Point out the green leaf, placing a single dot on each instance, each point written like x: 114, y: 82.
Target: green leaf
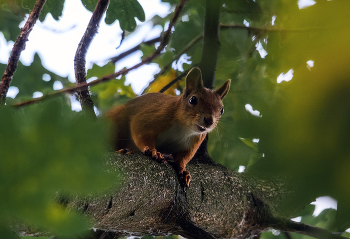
x: 147, y: 50
x: 7, y: 233
x: 157, y: 20
x: 89, y: 4
x: 112, y: 93
x: 164, y: 59
x: 9, y: 24
x: 99, y: 71
x: 186, y: 31
x: 29, y: 79
x: 107, y: 94
x: 125, y: 11
x: 53, y: 7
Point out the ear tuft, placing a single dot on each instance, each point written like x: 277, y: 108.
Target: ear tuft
x: 222, y: 91
x: 194, y: 80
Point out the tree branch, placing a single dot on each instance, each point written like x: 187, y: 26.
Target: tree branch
x: 106, y: 78
x: 135, y: 48
x: 145, y: 61
x: 195, y: 40
x: 222, y: 27
x: 301, y: 228
x: 80, y: 56
x: 18, y: 47
x: 219, y: 203
x: 167, y: 66
x: 183, y: 74
x: 211, y: 43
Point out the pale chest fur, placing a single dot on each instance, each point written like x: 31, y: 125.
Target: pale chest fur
x: 176, y: 139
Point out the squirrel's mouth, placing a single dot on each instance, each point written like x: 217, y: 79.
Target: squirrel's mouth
x: 201, y: 128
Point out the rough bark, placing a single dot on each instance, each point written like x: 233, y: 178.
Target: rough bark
x: 148, y: 200
x: 79, y: 60
x: 219, y: 203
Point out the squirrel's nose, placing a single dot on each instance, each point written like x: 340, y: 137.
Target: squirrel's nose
x: 208, y: 121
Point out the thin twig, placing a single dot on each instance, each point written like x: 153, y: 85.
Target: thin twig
x: 135, y: 48
x: 18, y: 47
x: 174, y: 81
x: 301, y: 228
x: 106, y: 78
x: 222, y: 27
x: 175, y: 58
x: 80, y: 56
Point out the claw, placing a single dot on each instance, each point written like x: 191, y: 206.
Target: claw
x: 124, y: 151
x: 185, y: 178
x: 157, y: 155
x: 147, y: 151
x: 169, y: 158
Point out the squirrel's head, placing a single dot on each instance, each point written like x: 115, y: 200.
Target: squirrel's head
x: 202, y: 107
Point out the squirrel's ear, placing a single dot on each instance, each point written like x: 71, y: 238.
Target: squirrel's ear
x: 193, y: 80
x: 222, y: 91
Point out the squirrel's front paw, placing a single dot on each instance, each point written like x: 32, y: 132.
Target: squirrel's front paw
x: 157, y: 155
x: 154, y: 154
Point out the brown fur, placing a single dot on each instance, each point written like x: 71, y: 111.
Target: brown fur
x: 170, y: 124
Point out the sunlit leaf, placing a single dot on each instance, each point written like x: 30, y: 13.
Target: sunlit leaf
x: 112, y: 93
x: 162, y: 81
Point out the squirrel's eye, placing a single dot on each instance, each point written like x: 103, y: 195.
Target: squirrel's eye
x: 221, y: 111
x: 193, y: 100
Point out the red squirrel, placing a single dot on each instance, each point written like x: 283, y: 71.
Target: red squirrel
x: 176, y: 125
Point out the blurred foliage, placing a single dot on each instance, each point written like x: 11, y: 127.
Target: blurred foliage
x: 21, y: 7
x: 9, y: 21
x: 28, y: 237
x: 304, y: 131
x: 30, y: 79
x: 46, y: 149
x: 325, y: 219
x: 303, y: 128
x: 110, y: 93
